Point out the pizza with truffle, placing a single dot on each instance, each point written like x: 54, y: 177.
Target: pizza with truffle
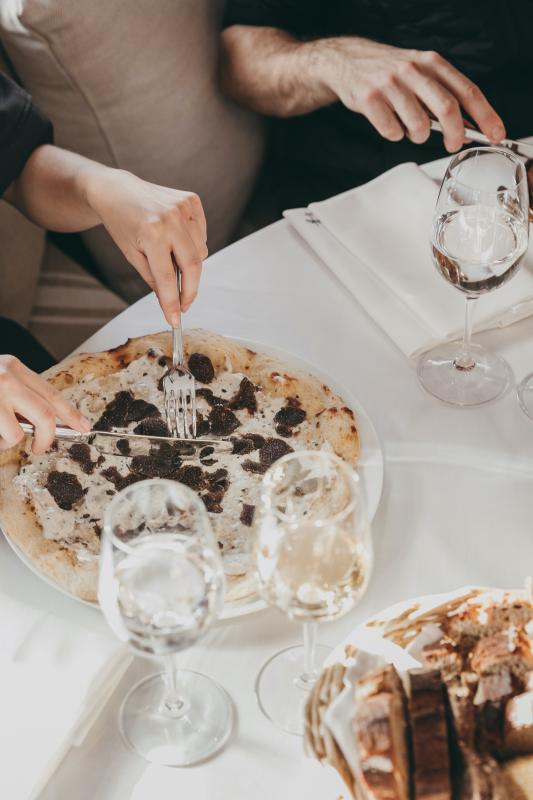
x: 51, y: 505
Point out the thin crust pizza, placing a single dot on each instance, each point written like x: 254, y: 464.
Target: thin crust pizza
x: 51, y: 505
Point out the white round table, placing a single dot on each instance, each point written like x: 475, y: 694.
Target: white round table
x: 457, y: 509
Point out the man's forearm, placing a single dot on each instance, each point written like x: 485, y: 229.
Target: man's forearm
x: 52, y: 190
x: 269, y: 71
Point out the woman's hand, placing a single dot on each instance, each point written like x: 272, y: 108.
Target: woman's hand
x: 155, y: 228
x: 25, y: 393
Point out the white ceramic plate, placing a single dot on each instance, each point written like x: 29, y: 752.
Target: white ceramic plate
x: 370, y: 468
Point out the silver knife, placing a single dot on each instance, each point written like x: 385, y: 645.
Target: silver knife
x: 136, y: 444
x: 519, y: 148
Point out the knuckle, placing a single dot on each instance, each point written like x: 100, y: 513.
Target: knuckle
x: 420, y: 128
x: 432, y: 57
x: 173, y: 214
x: 194, y: 199
x: 47, y: 416
x: 473, y: 92
x: 9, y: 362
x: 389, y: 81
x: 6, y: 379
x: 167, y: 280
x: 408, y: 68
x: 448, y: 106
x: 371, y: 95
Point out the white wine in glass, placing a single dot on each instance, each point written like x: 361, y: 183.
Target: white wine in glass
x: 161, y: 586
x: 313, y: 556
x: 479, y: 237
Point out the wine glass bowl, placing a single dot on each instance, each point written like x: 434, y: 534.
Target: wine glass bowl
x: 313, y: 557
x: 312, y: 537
x: 479, y: 237
x: 160, y: 588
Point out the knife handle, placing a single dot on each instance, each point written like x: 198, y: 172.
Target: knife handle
x: 62, y: 432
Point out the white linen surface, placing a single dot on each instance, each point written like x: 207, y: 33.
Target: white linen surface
x: 55, y: 678
x: 375, y: 239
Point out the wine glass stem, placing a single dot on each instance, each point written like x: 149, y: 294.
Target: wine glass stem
x: 173, y: 704
x: 310, y: 631
x: 465, y: 360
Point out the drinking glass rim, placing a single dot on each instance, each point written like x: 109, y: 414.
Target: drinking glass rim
x: 350, y: 473
x: 107, y: 527
x: 463, y: 154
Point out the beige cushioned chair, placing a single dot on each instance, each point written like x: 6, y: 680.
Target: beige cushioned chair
x: 133, y: 85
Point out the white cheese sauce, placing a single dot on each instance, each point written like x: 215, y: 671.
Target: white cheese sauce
x: 79, y: 527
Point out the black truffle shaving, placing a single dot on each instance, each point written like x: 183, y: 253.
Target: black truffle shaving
x: 119, y: 481
x: 254, y: 466
x: 201, y: 367
x: 65, y: 488
x: 222, y: 421
x: 81, y: 454
x: 245, y: 397
x: 290, y: 416
x: 152, y: 426
x: 122, y: 410
x: 247, y: 514
x: 272, y: 450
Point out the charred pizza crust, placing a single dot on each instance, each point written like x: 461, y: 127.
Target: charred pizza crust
x: 331, y: 421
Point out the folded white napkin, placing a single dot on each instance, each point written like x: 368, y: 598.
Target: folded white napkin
x: 55, y: 678
x: 375, y: 239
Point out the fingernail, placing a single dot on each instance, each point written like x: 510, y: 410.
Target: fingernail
x: 85, y: 424
x: 175, y: 320
x: 498, y: 133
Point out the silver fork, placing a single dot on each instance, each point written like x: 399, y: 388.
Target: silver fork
x: 179, y: 390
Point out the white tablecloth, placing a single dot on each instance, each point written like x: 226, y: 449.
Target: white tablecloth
x: 457, y: 508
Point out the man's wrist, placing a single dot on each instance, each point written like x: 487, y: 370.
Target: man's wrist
x: 325, y: 64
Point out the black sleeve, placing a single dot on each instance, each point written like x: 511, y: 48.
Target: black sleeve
x: 291, y: 15
x: 22, y: 129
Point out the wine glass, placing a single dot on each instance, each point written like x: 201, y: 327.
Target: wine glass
x: 313, y: 557
x: 480, y: 234
x: 161, y: 585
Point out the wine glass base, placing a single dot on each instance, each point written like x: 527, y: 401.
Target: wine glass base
x: 525, y: 395
x: 281, y: 692
x: 197, y: 733
x: 486, y: 381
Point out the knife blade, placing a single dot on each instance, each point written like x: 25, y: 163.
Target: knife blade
x: 126, y: 444
x: 519, y: 148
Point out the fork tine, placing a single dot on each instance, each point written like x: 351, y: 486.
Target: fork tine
x: 183, y: 415
x: 189, y: 413
x: 171, y: 412
x: 179, y: 415
x: 193, y: 408
x: 185, y: 394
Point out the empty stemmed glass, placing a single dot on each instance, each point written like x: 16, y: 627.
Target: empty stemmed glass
x: 480, y: 234
x: 161, y: 586
x: 313, y: 556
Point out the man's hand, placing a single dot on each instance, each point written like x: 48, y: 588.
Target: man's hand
x: 24, y: 393
x: 155, y: 228
x: 397, y: 90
